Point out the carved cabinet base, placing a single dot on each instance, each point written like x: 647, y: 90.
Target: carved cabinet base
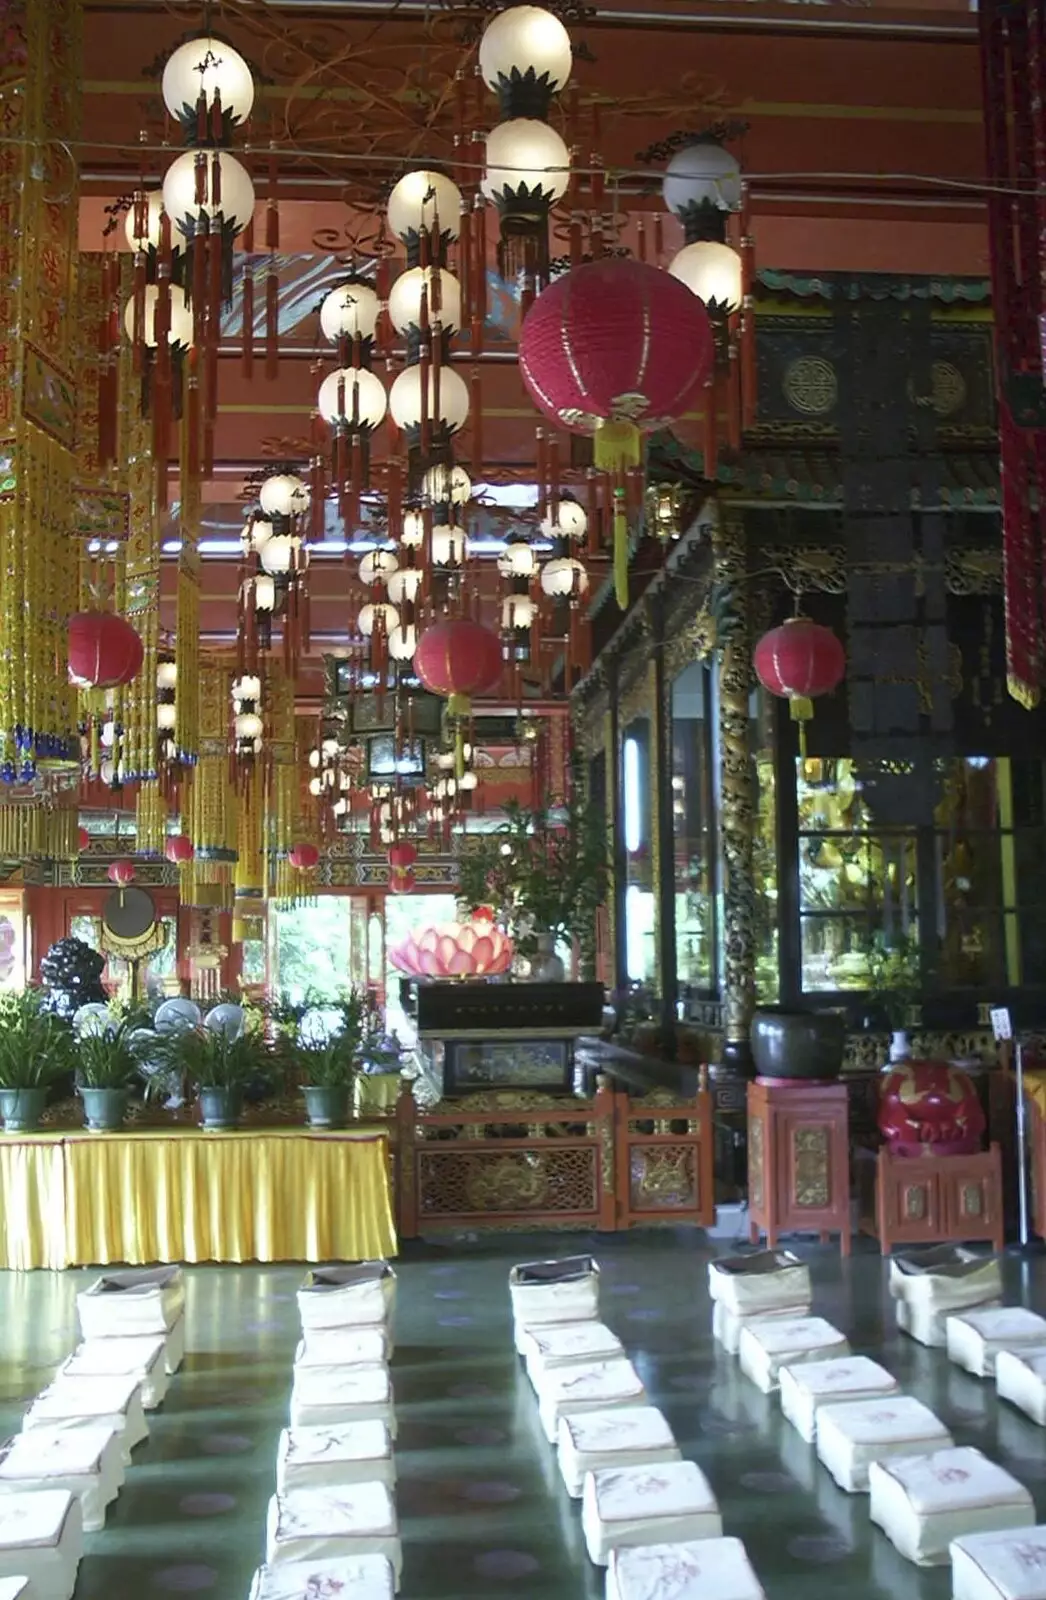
x: 798, y: 1161
x: 932, y: 1199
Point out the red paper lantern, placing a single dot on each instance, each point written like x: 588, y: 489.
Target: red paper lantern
x: 104, y: 650
x: 401, y: 880
x: 120, y: 872
x: 304, y: 856
x: 458, y: 659
x: 800, y: 661
x: 930, y: 1108
x: 179, y: 849
x: 83, y: 838
x: 402, y: 855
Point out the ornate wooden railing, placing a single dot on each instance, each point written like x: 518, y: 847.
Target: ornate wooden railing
x: 521, y: 1159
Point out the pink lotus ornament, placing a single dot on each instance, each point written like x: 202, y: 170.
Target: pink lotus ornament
x: 454, y: 950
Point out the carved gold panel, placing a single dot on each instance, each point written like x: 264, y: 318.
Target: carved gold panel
x: 810, y: 1167
x: 756, y: 1161
x: 915, y: 1202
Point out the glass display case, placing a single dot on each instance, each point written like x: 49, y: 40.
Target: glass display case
x: 695, y: 839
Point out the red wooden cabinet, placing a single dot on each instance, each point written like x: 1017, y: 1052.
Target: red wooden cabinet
x: 798, y: 1161
x: 929, y: 1199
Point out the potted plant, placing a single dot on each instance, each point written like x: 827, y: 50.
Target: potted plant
x: 36, y: 1049
x: 107, y: 1069
x: 219, y: 1068
x: 894, y: 988
x: 329, y: 1062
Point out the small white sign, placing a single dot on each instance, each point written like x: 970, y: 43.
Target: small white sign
x: 1002, y: 1027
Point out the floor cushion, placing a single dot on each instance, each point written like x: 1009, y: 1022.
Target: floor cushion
x: 924, y: 1502
x: 976, y: 1337
x: 146, y: 1300
x: 41, y: 1538
x: 1009, y: 1564
x: 331, y: 1396
x: 360, y: 1294
x: 1020, y: 1378
x: 853, y: 1435
x: 139, y: 1356
x: 116, y: 1400
x: 626, y: 1436
x: 566, y: 1344
x: 775, y: 1342
x: 929, y: 1285
x: 312, y: 1525
x: 342, y: 1347
x: 805, y: 1389
x: 704, y: 1569
x: 662, y: 1504
x: 354, y: 1578
x: 86, y: 1459
x: 762, y: 1282
x: 727, y: 1325
x: 543, y: 1292
x: 587, y: 1386
x: 15, y: 1589
x: 925, y: 1325
x: 352, y: 1452
x: 174, y: 1346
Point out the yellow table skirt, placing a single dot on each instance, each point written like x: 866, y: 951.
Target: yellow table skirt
x: 268, y: 1194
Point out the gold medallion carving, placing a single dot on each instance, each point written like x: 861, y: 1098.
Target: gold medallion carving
x: 810, y: 386
x: 915, y: 1203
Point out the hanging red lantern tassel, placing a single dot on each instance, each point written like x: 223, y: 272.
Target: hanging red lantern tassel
x: 798, y: 662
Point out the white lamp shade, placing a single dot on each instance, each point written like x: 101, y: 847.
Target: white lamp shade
x: 329, y: 749
x: 524, y: 39
x: 277, y: 554
x: 525, y: 152
x: 712, y: 271
x: 405, y: 300
x: 212, y: 67
x: 405, y: 398
x: 285, y: 495
x: 403, y: 641
x: 445, y: 485
x: 378, y: 614
x: 180, y: 331
x: 315, y: 786
x: 413, y: 535
x: 448, y: 546
x: 422, y: 198
x: 352, y: 396
x: 702, y: 172
x: 350, y: 312
x: 246, y: 688
x: 248, y: 725
x: 264, y: 593
x: 563, y: 576
x: 517, y: 611
x: 378, y: 566
x: 517, y: 560
x: 468, y: 780
x: 404, y: 585
x: 236, y: 206
x: 166, y: 716
x: 150, y: 239
x: 571, y: 522
x: 314, y: 759
x: 259, y: 531
x: 166, y: 675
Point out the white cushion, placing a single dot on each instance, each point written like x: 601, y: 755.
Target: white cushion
x: 14, y: 1589
x: 627, y: 1436
x: 775, y: 1342
x: 763, y: 1282
x: 587, y: 1386
x: 976, y: 1337
x: 140, y: 1356
x: 945, y: 1278
x: 805, y: 1389
x: 354, y: 1578
x: 727, y: 1325
x: 705, y: 1569
x: 117, y: 1401
x: 342, y: 1347
x: 150, y: 1300
x: 84, y: 1458
x: 354, y: 1452
x: 853, y: 1435
x: 1020, y: 1378
x: 662, y: 1504
x: 361, y: 1293
x: 542, y: 1292
x: 1008, y: 1564
x: 927, y: 1326
x: 312, y: 1525
x: 174, y: 1347
x: 565, y: 1344
x: 924, y: 1502
x: 330, y: 1396
x: 41, y: 1538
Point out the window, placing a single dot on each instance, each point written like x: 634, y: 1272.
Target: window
x: 640, y: 936
x: 694, y: 833
x: 310, y: 944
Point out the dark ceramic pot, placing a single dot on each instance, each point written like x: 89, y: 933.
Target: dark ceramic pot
x: 22, y: 1109
x: 798, y: 1044
x: 327, y: 1106
x: 221, y: 1108
x: 104, y: 1109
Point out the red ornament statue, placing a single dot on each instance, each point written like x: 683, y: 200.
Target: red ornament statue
x: 104, y: 650
x: 616, y: 349
x: 798, y: 662
x: 83, y: 838
x: 930, y: 1108
x: 179, y: 849
x: 120, y: 872
x: 304, y: 856
x: 402, y: 855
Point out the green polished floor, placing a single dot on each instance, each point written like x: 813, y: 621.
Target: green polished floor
x: 481, y: 1505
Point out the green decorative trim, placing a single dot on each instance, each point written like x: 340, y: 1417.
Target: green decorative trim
x: 876, y: 286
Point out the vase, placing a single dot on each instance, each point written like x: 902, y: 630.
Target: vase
x: 220, y: 1108
x: 547, y: 966
x: 327, y: 1105
x: 900, y: 1046
x: 104, y: 1109
x: 798, y: 1044
x: 22, y: 1109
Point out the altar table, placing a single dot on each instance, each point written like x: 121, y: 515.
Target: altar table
x: 262, y: 1194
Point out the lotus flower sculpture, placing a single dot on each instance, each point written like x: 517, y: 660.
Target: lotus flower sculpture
x: 454, y: 950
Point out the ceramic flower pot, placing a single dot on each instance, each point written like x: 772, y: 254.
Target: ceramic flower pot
x: 220, y: 1108
x: 327, y: 1106
x: 22, y: 1109
x: 798, y: 1044
x: 104, y: 1109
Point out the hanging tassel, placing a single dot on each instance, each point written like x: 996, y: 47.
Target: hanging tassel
x: 711, y: 432
x: 272, y: 313
x: 593, y: 514
x: 248, y: 320
x: 476, y: 408
x: 733, y: 400
x: 620, y: 549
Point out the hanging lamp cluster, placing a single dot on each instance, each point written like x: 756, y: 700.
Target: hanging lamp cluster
x: 274, y: 568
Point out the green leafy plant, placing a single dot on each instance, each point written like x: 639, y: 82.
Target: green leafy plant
x: 36, y: 1045
x: 894, y: 977
x: 210, y: 1059
x: 108, y: 1060
x: 332, y: 1061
